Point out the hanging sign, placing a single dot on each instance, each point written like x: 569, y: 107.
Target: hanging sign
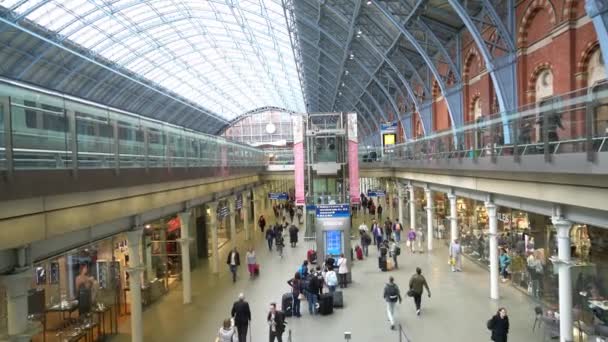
x: 333, y: 210
x: 278, y: 196
x: 376, y: 193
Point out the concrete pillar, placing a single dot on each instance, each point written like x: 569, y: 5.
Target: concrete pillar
x: 17, y: 286
x: 491, y: 208
x: 429, y: 218
x: 453, y: 217
x: 412, y: 206
x: 135, y: 271
x: 213, y: 225
x: 232, y: 219
x: 564, y: 278
x: 245, y: 213
x: 400, y: 195
x: 185, y: 241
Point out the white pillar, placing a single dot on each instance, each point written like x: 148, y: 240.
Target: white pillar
x: 453, y: 217
x: 232, y: 219
x: 17, y: 286
x: 245, y: 213
x: 412, y: 206
x: 491, y: 208
x: 400, y: 204
x: 564, y: 277
x: 429, y: 218
x: 135, y: 270
x: 185, y: 240
x: 213, y: 225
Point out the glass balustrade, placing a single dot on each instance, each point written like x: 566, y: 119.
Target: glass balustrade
x: 52, y: 131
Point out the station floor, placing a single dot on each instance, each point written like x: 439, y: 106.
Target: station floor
x: 457, y: 311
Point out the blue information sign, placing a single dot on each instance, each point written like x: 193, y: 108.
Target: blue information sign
x: 333, y: 210
x: 311, y: 207
x: 333, y: 242
x: 278, y: 196
x: 376, y: 193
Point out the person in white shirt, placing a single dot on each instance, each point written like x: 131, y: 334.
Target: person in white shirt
x: 331, y: 280
x: 342, y: 270
x: 233, y: 261
x: 456, y: 256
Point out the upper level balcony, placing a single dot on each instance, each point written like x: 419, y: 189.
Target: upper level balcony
x: 563, y: 134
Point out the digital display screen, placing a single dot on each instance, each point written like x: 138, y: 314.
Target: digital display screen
x: 333, y: 242
x: 389, y: 139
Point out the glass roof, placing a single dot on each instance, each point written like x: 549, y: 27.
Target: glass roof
x: 228, y: 56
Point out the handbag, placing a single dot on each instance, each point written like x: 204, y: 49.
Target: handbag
x: 408, y: 243
x: 410, y: 293
x: 301, y: 296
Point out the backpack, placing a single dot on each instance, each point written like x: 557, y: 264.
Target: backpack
x: 392, y: 293
x: 398, y: 227
x: 490, y: 323
x: 397, y: 250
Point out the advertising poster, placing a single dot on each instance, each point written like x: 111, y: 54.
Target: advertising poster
x: 298, y: 153
x: 353, y: 159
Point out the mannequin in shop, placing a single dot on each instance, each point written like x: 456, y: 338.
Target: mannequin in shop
x: 86, y: 288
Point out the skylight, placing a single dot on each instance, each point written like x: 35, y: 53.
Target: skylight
x: 228, y: 56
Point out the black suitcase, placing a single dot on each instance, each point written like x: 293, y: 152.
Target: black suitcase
x: 382, y: 264
x: 287, y: 304
x: 326, y: 304
x: 338, y: 299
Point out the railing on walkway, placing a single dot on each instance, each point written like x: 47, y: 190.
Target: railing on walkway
x: 575, y: 122
x: 45, y: 130
x: 402, y: 335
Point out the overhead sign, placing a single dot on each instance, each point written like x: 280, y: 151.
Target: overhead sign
x: 223, y: 212
x: 389, y: 127
x: 376, y: 193
x: 310, y: 207
x: 239, y: 202
x: 333, y: 210
x: 278, y: 196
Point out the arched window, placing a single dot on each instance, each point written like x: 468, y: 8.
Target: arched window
x: 476, y: 109
x: 596, y: 71
x: 544, y: 84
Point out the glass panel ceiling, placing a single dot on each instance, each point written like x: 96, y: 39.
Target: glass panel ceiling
x: 228, y: 56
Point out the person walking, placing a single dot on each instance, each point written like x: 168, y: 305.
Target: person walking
x: 293, y: 235
x: 388, y: 229
x: 379, y: 210
x: 377, y: 232
x: 270, y: 237
x: 227, y: 333
x: 499, y: 325
x: 279, y: 241
x: 342, y: 271
x: 395, y: 251
x: 391, y: 295
x: 504, y: 262
x: 366, y: 240
x: 234, y: 261
x: 300, y: 213
x: 331, y: 279
x: 303, y: 270
x: 296, y: 289
x: 262, y: 223
x: 312, y: 292
x: 456, y: 256
x: 276, y: 323
x: 397, y: 228
x: 411, y: 240
x: 251, y: 262
x: 417, y: 285
x: 242, y: 316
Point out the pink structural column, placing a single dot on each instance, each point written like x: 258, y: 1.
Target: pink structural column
x: 298, y: 154
x: 353, y: 158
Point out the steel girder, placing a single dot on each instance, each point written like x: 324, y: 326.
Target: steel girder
x: 333, y: 40
x: 597, y: 10
x: 292, y: 29
x: 351, y: 31
x: 502, y: 69
x: 452, y: 96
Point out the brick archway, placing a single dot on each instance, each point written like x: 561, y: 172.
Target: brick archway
x: 468, y: 62
x: 531, y: 10
x: 531, y: 91
x: 583, y: 63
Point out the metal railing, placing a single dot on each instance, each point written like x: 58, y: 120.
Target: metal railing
x: 574, y: 122
x: 402, y: 335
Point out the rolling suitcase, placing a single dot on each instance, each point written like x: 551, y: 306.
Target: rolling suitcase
x: 338, y: 299
x: 256, y: 270
x: 359, y: 252
x: 382, y: 264
x: 287, y: 304
x: 311, y: 256
x: 326, y: 304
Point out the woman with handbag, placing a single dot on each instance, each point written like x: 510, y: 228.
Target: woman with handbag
x: 296, y: 291
x: 227, y: 332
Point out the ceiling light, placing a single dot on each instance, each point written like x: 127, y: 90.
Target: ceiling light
x: 342, y: 84
x: 340, y: 93
x: 369, y: 2
x: 352, y: 56
x: 345, y: 72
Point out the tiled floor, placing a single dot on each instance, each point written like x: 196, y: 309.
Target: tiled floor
x: 457, y: 311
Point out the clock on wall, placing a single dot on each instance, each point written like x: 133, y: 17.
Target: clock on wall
x: 271, y: 128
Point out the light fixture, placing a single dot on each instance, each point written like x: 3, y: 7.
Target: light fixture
x: 352, y: 56
x: 342, y: 84
x: 148, y: 226
x: 369, y: 2
x: 339, y: 93
x: 345, y: 72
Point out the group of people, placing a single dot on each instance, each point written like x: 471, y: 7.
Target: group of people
x: 288, y: 208
x: 234, y: 261
x: 276, y: 234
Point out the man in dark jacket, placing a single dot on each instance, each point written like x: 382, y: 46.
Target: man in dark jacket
x: 499, y: 324
x: 233, y: 261
x: 276, y: 323
x: 293, y: 235
x: 242, y: 316
x: 417, y: 285
x: 391, y: 296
